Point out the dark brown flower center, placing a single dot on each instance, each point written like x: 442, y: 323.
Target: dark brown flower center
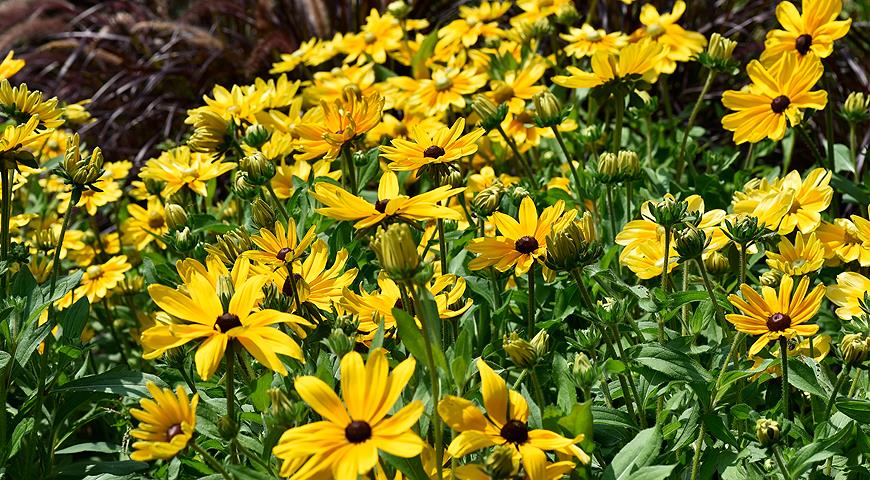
x: 287, y: 288
x: 433, y: 152
x: 358, y: 432
x: 381, y: 205
x: 226, y: 322
x: 515, y: 431
x: 526, y: 244
x: 778, y: 322
x: 173, y: 431
x: 803, y: 43
x: 155, y: 221
x: 282, y: 254
x: 779, y: 104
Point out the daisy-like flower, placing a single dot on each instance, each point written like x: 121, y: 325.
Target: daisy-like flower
x: 10, y: 66
x: 443, y: 146
x: 312, y: 53
x: 847, y: 294
x: 179, y: 168
x: 773, y: 98
x: 341, y: 122
x: 315, y: 283
x: 847, y: 239
x: 587, y: 40
x: 282, y: 182
x: 635, y: 60
x: 99, y: 279
x: 448, y: 87
x: 379, y: 35
x: 814, y: 30
x: 788, y: 203
x: 680, y: 45
x: 345, y: 444
x: 773, y: 315
x: 520, y: 243
x: 539, y: 9
x: 328, y: 86
x: 342, y: 205
x: 21, y: 104
x: 473, y: 23
x: 14, y: 137
x: 504, y: 423
x: 282, y: 246
x: 145, y: 225
x: 166, y: 423
x: 202, y: 315
x: 804, y: 256
x: 518, y: 86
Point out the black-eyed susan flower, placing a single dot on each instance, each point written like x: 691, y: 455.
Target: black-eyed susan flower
x: 20, y: 104
x: 282, y: 182
x: 167, y: 422
x: 98, y: 280
x: 637, y: 60
x: 145, y: 225
x: 201, y: 314
x: 814, y: 30
x: 315, y: 283
x: 345, y: 444
x: 447, y: 88
x: 442, y: 146
x: 587, y: 40
x: 518, y: 86
x: 504, y: 423
x: 378, y: 36
x: 10, y: 65
x: 846, y: 239
x: 679, y: 44
x: 789, y: 203
x: 847, y: 294
x: 311, y: 52
x: 473, y: 22
x: 773, y: 315
x: 390, y: 204
x: 179, y: 167
x: 282, y: 246
x: 324, y: 134
x: 804, y: 256
x: 774, y: 100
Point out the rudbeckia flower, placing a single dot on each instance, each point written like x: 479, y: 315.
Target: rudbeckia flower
x: 679, y: 44
x: 345, y: 444
x: 518, y: 86
x: 282, y: 182
x: 847, y: 293
x: 280, y: 247
x: 166, y: 423
x: 814, y: 30
x: 804, y: 256
x: 847, y: 239
x: 312, y: 52
x: 145, y: 224
x: 14, y: 137
x: 204, y: 316
x: 445, y: 145
x: 98, y: 280
x: 635, y: 60
x: 448, y: 87
x: 788, y: 203
x: 179, y: 168
x: 10, y: 66
x: 587, y: 40
x: 21, y: 103
x: 773, y: 315
x: 504, y: 423
x: 315, y: 283
x: 341, y: 122
x: 772, y: 98
x: 379, y: 35
x: 342, y: 205
x: 473, y: 23
x: 520, y: 243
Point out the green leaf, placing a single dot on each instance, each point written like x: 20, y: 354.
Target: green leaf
x: 817, y: 451
x: 73, y: 321
x: 411, y: 467
x: 858, y: 410
x: 260, y: 393
x: 18, y: 434
x: 673, y: 364
x: 410, y: 334
x: 4, y: 359
x: 96, y: 467
x: 612, y: 424
x: 98, y: 447
x: 637, y: 454
x: 418, y: 61
x: 579, y: 422
x: 801, y: 376
x: 119, y: 381
x: 652, y: 472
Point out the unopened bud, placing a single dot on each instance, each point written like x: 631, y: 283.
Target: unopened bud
x: 243, y: 188
x: 262, y: 214
x: 520, y: 351
x: 548, y: 109
x: 184, y: 240
x: 854, y: 348
x: 767, y: 431
x: 690, y: 243
x: 501, y: 464
x: 491, y: 115
x: 716, y: 263
x: 256, y: 135
x: 541, y: 343
x: 397, y: 252
x: 720, y: 49
x: 339, y: 342
x: 258, y: 168
x: 487, y: 200
x: 628, y: 164
x: 771, y: 278
x: 399, y: 9
x: 585, y: 374
x: 856, y: 108
x: 176, y: 217
x: 574, y: 246
x: 608, y: 167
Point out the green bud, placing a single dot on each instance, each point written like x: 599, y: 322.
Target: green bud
x: 176, y: 217
x: 720, y: 48
x: 574, y: 246
x: 608, y: 167
x: 183, y: 240
x: 229, y: 246
x: 716, y: 263
x: 399, y: 9
x: 521, y: 352
x: 488, y: 199
x: 258, y: 168
x: 854, y: 348
x: 690, y: 243
x: 746, y: 231
x: 339, y: 342
x: 491, y: 115
x: 397, y: 252
x: 262, y: 214
x: 856, y: 108
x: 628, y: 164
x: 767, y: 431
x: 548, y: 109
x: 541, y: 343
x: 256, y: 135
x: 771, y: 278
x: 500, y: 464
x: 243, y: 188
x: 228, y: 427
x: 281, y: 407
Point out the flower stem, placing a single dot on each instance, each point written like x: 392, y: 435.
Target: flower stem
x: 6, y: 214
x: 709, y: 286
x: 536, y: 385
x: 853, y: 152
x: 351, y: 170
x: 641, y: 415
x: 749, y: 159
x: 783, y: 352
x: 231, y: 391
x: 665, y: 265
x: 574, y: 173
x: 681, y: 159
x: 619, y: 106
x: 531, y: 317
x: 841, y: 379
x: 67, y: 218
x: 696, y: 458
x: 520, y: 157
x: 277, y: 201
x: 442, y: 246
x: 742, y: 249
x: 611, y: 212
x: 435, y: 382
x: 210, y: 460
x: 629, y: 194
x: 780, y: 463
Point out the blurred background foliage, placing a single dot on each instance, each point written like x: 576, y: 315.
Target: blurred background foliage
x: 144, y: 63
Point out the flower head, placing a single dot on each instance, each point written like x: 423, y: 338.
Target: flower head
x: 635, y: 61
x: 814, y: 30
x: 803, y: 256
x: 166, y: 423
x: 848, y: 294
x: 442, y: 146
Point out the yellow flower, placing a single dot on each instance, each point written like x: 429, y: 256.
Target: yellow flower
x: 86, y: 247
x: 340, y: 123
x: 392, y: 128
x: 22, y: 104
x: 518, y: 86
x: 773, y: 315
x: 821, y: 347
x: 804, y: 200
x: 473, y: 23
x: 636, y: 59
x: 14, y: 137
x: 504, y: 423
x: 379, y: 35
x: 145, y: 225
x: 848, y: 240
x: 342, y: 205
x: 166, y: 423
x: 539, y: 9
x: 814, y: 30
x: 281, y: 247
x: 587, y: 40
x: 680, y: 45
x: 485, y: 178
x: 448, y: 87
x: 773, y: 97
x: 327, y: 86
x: 203, y: 316
x: 10, y: 66
x: 445, y: 145
x: 180, y: 168
x: 312, y: 53
x: 91, y: 200
x: 849, y: 290
x: 520, y: 243
x: 282, y: 182
x: 315, y: 283
x: 97, y: 281
x: 806, y: 255
x: 346, y: 443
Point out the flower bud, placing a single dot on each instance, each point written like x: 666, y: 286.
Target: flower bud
x: 501, y: 464
x: 209, y: 131
x: 281, y: 406
x: 397, y: 252
x: 184, y: 240
x: 856, y: 108
x: 716, y: 263
x: 230, y: 246
x: 487, y: 200
x: 243, y: 188
x: 541, y: 343
x: 452, y: 177
x: 256, y: 135
x: 225, y: 290
x: 491, y: 115
x: 176, y: 217
x: 608, y: 167
x: 548, y: 109
x: 339, y: 343
x: 854, y: 348
x: 767, y: 431
x: 228, y: 427
x: 521, y: 352
x: 262, y: 214
x: 771, y: 278
x: 259, y: 168
x: 519, y: 193
x: 669, y: 212
x: 585, y: 374
x: 720, y: 49
x: 690, y: 243
x: 574, y: 246
x: 399, y: 9
x: 628, y: 164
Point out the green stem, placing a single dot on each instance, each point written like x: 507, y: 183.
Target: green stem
x: 619, y: 106
x: 780, y: 463
x: 742, y: 269
x: 681, y: 159
x: 574, y: 173
x: 854, y: 387
x: 749, y: 159
x: 641, y: 415
x: 829, y: 134
x: 611, y: 212
x: 6, y: 213
x: 666, y: 97
x: 231, y: 390
x: 811, y: 144
x: 684, y: 312
x: 783, y: 352
x: 841, y: 379
x: 442, y: 245
x: 709, y: 286
x: 435, y: 385
x: 623, y: 383
x: 853, y: 151
x: 665, y: 265
x: 629, y: 196
x: 696, y: 458
x: 67, y: 218
x: 647, y: 132
x: 536, y: 385
x: 520, y: 157
x: 349, y: 166
x: 210, y: 460
x: 277, y: 201
x: 531, y: 316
